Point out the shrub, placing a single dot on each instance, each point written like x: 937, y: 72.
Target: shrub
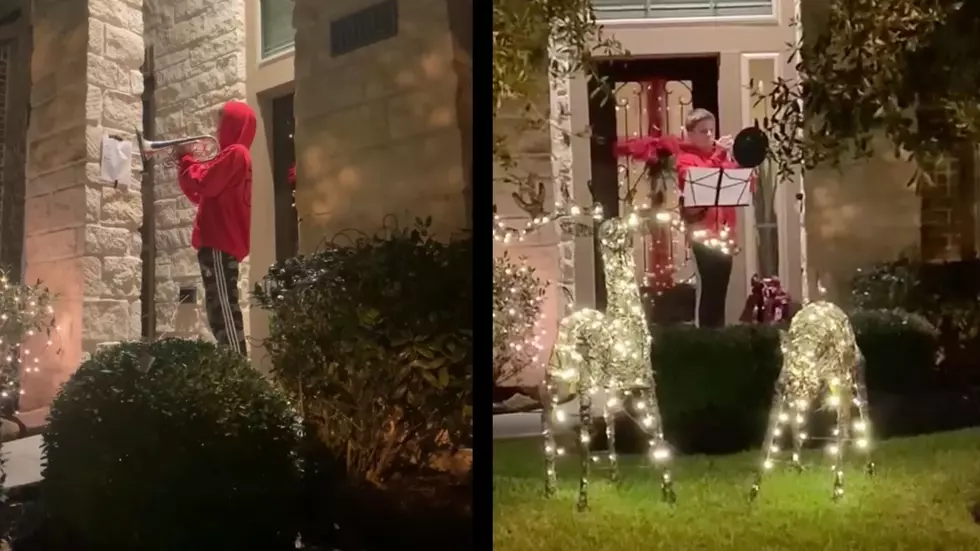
x: 517, y: 296
x: 901, y: 350
x: 945, y: 294
x: 172, y: 445
x: 374, y: 341
x: 715, y: 385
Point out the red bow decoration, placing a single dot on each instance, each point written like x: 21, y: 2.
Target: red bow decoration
x: 292, y: 176
x: 648, y: 149
x: 767, y: 303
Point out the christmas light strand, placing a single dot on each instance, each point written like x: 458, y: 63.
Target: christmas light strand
x: 26, y: 315
x: 639, y: 220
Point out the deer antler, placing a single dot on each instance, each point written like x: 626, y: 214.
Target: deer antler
x: 530, y: 198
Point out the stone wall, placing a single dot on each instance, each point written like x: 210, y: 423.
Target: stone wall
x: 199, y: 63
x: 82, y: 236
x: 859, y: 215
x: 378, y: 128
x: 531, y: 148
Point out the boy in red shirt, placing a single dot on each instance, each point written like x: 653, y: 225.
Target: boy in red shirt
x: 222, y: 191
x: 713, y: 264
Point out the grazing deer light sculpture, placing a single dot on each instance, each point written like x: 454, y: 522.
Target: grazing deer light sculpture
x: 606, y: 355
x: 819, y: 353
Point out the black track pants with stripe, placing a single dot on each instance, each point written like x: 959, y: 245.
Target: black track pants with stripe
x: 219, y: 270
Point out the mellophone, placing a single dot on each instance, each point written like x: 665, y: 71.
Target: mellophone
x: 151, y: 149
x: 728, y: 187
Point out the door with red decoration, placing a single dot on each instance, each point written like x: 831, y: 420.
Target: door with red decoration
x: 652, y: 97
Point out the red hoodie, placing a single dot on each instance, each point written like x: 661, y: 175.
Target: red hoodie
x: 222, y: 188
x: 714, y: 219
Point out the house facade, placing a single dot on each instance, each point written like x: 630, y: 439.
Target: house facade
x: 718, y: 55
x: 680, y: 57
x: 368, y: 99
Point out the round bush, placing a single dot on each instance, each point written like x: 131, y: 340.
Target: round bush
x: 175, y: 445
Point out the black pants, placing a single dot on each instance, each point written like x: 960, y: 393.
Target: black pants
x: 714, y: 269
x: 219, y: 270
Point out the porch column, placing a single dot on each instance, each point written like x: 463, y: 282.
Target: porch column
x: 82, y: 234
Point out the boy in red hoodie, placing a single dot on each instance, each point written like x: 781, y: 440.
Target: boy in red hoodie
x: 222, y: 191
x: 714, y: 266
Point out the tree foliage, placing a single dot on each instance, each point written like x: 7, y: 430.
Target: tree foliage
x: 904, y: 69
x: 521, y: 32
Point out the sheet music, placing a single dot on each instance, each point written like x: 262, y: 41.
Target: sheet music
x: 117, y: 160
x: 703, y: 188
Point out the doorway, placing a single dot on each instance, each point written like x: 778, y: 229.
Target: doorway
x: 15, y: 106
x: 652, y: 97
x: 283, y: 162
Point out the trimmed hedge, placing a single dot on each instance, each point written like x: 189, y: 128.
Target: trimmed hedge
x: 715, y: 386
x: 946, y: 294
x: 177, y: 444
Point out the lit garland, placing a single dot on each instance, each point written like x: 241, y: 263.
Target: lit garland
x: 517, y: 317
x: 26, y: 313
x: 642, y: 216
x: 608, y: 353
x: 819, y: 352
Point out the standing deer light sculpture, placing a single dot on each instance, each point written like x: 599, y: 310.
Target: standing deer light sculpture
x: 606, y: 355
x: 819, y: 352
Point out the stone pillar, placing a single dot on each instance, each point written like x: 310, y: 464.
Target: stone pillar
x: 199, y: 64
x: 378, y: 127
x: 82, y: 237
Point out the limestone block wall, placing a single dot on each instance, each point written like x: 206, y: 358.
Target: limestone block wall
x: 857, y: 216
x: 378, y: 128
x: 82, y: 236
x: 199, y: 63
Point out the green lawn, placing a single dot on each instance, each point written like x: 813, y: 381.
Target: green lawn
x: 920, y: 500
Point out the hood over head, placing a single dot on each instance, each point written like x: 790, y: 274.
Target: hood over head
x: 236, y: 125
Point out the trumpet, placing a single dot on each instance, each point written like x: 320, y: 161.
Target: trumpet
x: 204, y: 148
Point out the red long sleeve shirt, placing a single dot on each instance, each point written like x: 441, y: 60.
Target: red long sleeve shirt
x: 715, y: 218
x: 222, y: 188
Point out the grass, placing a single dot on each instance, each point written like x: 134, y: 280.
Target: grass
x: 920, y: 500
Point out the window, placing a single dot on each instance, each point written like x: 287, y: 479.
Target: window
x: 948, y: 223
x: 674, y: 9
x: 766, y: 223
x: 276, y: 21
x: 760, y: 73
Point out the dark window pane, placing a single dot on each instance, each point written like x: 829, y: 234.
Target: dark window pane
x: 277, y: 26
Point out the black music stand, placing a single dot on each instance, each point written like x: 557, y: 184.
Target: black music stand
x: 717, y: 187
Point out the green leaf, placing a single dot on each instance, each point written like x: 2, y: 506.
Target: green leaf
x: 430, y: 378
x: 436, y: 363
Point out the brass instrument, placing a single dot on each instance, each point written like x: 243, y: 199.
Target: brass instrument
x: 204, y: 148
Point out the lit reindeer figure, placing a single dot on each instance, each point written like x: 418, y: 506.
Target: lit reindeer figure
x: 604, y: 355
x: 819, y: 353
